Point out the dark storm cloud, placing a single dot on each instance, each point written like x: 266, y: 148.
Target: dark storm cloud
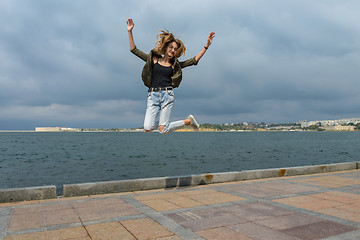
x: 284, y: 61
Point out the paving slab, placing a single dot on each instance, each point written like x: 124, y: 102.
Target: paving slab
x: 320, y: 206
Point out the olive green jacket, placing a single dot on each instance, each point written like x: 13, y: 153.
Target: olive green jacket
x: 176, y: 65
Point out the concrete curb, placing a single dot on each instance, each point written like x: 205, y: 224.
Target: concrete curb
x: 72, y: 190
x: 83, y: 189
x: 27, y: 194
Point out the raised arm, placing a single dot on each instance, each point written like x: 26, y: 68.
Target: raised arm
x: 133, y: 48
x: 207, y: 45
x: 130, y: 26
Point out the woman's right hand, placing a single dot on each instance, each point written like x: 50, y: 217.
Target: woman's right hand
x: 130, y: 24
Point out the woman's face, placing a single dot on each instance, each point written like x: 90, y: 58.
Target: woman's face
x: 171, y: 49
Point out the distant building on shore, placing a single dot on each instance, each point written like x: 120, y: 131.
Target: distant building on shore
x: 339, y: 128
x: 330, y: 123
x: 56, y: 129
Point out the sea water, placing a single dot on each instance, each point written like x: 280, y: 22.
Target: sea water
x: 43, y: 158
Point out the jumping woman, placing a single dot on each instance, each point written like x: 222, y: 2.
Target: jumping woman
x: 161, y: 74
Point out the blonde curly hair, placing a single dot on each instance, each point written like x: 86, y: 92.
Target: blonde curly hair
x: 164, y: 38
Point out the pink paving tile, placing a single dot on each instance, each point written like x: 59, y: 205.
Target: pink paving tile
x: 355, y: 208
x: 354, y: 218
x: 256, y: 211
x: 183, y: 216
x: 24, y: 203
x: 110, y: 195
x: 255, y: 190
x: 258, y: 232
x: 146, y: 228
x: 288, y: 221
x: 63, y: 216
x: 26, y: 210
x: 352, y: 174
x: 317, y: 205
x: 294, y: 200
x: 32, y: 209
x: 26, y: 221
x: 318, y: 230
x: 213, y: 222
x: 221, y: 233
x: 186, y: 199
x: 105, y: 211
x: 205, y: 219
x: 216, y: 198
x: 62, y: 234
x: 339, y: 197
x: 339, y: 213
x: 355, y: 197
x: 270, y: 189
x: 92, y: 203
x: 29, y: 236
x: 105, y: 231
x: 161, y: 205
x: 285, y: 188
x: 197, y: 214
x: 67, y: 233
x: 330, y: 181
x: 81, y: 238
x: 170, y: 238
x: 184, y: 202
x: 197, y: 192
x: 157, y: 196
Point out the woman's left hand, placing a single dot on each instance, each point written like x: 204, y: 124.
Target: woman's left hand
x: 210, y: 38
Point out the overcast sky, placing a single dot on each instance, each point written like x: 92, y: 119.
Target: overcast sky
x: 67, y: 63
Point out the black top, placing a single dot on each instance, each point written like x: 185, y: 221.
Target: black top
x: 161, y: 76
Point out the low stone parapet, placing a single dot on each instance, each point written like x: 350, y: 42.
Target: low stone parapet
x: 27, y: 194
x: 94, y: 188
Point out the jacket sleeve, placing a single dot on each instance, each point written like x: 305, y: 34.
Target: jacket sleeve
x: 140, y: 54
x: 188, y: 62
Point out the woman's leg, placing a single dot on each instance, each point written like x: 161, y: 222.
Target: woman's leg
x: 180, y: 124
x: 167, y: 103
x: 152, y: 111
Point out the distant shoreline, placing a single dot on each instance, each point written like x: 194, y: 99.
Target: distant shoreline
x: 17, y: 131
x: 182, y: 130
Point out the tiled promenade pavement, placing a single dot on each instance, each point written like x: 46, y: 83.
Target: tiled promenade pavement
x: 322, y: 206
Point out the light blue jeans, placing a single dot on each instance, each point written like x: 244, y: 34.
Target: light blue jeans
x: 161, y: 103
